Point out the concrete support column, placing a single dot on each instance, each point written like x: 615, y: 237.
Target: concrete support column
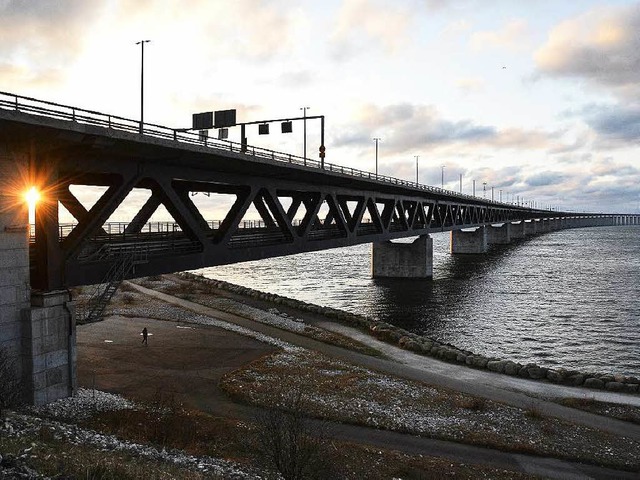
x: 518, y: 230
x: 499, y: 235
x: 469, y: 242
x: 530, y: 227
x: 49, y: 347
x: 403, y: 260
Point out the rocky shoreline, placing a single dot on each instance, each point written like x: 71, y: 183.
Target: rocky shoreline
x: 427, y: 346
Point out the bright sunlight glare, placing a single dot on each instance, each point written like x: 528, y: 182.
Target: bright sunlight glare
x: 32, y: 196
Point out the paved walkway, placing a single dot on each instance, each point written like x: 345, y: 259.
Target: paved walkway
x: 440, y: 376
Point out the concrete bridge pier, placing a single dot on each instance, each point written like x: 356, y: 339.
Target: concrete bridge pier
x: 518, y: 230
x: 37, y: 329
x: 530, y: 227
x: 499, y: 235
x: 403, y: 260
x: 465, y: 242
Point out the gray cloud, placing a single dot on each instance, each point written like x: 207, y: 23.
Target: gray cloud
x: 543, y: 179
x: 601, y: 45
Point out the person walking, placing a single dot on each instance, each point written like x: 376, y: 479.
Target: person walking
x: 145, y: 334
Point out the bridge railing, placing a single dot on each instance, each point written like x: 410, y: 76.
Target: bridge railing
x: 32, y: 106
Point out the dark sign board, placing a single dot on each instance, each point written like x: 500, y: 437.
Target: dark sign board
x: 202, y: 121
x: 225, y: 118
x: 223, y: 133
x: 263, y: 129
x: 287, y: 127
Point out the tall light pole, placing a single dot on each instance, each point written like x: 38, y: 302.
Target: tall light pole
x: 474, y: 188
x: 417, y: 157
x: 442, y: 178
x: 376, y: 139
x: 304, y: 130
x: 484, y: 189
x: 492, y: 194
x: 460, y: 183
x: 141, y: 43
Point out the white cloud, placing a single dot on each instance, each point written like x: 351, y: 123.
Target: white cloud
x: 360, y: 22
x: 511, y: 36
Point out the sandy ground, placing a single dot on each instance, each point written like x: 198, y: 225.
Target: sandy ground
x: 184, y: 360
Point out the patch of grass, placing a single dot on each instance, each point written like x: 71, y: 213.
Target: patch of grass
x: 627, y: 413
x: 59, y: 459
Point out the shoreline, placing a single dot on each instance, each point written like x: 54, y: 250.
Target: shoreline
x: 425, y: 346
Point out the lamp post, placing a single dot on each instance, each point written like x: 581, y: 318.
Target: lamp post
x: 442, y: 178
x: 417, y: 157
x: 141, y: 43
x: 460, y: 183
x: 492, y: 194
x: 376, y: 139
x: 484, y: 190
x: 304, y: 130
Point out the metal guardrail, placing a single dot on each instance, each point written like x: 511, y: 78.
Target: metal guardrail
x: 33, y: 106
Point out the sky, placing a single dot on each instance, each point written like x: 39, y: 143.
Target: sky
x: 539, y: 100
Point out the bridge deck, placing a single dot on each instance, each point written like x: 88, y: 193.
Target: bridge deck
x: 304, y: 204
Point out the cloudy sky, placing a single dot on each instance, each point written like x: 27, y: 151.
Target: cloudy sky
x: 537, y: 99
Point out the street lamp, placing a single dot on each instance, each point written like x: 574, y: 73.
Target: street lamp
x: 484, y: 190
x: 141, y: 43
x: 492, y: 194
x: 460, y: 183
x: 376, y: 139
x: 417, y: 157
x: 474, y: 188
x: 442, y: 178
x: 304, y: 129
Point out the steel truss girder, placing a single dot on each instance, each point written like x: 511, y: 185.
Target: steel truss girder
x: 319, y: 216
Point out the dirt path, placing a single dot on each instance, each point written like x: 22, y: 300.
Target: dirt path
x: 186, y: 361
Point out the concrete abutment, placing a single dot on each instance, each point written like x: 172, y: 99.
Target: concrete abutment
x: 37, y: 329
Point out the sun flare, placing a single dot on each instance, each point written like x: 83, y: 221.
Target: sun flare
x: 32, y: 196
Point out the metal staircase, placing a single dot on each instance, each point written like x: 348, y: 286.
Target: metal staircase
x: 92, y: 310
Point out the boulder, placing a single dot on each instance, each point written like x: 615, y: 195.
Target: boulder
x: 536, y: 372
x: 614, y: 386
x: 606, y: 378
x: 511, y: 368
x: 409, y: 344
x: 461, y: 357
x: 630, y: 388
x: 480, y: 362
x: 593, y: 382
x: 496, y: 365
x: 575, y: 379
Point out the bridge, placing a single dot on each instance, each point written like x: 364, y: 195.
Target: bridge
x: 303, y: 205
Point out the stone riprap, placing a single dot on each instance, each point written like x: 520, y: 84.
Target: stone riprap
x: 427, y: 346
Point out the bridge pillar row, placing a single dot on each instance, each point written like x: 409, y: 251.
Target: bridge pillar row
x: 466, y: 242
x: 499, y: 235
x: 518, y: 230
x: 403, y: 260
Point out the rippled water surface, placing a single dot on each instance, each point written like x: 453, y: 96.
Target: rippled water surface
x: 569, y: 298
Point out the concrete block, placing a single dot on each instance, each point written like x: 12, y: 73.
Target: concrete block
x: 10, y: 332
x: 10, y: 260
x: 50, y: 299
x: 8, y: 295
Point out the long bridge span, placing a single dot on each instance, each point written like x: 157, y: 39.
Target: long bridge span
x: 303, y: 205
